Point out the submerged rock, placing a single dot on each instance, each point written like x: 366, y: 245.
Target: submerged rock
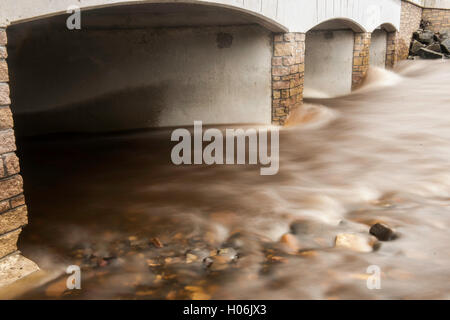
x: 228, y: 253
x: 191, y: 258
x: 218, y: 263
x: 156, y: 242
x: 314, y: 234
x: 221, y: 259
x: 355, y: 242
x: 290, y: 242
x: 382, y: 232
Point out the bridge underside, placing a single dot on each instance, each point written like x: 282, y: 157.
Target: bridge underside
x: 156, y: 66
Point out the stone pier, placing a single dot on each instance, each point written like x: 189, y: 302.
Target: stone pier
x: 288, y: 72
x: 391, y: 49
x: 13, y: 211
x: 361, y: 57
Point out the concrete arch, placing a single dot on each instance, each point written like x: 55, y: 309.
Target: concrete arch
x: 388, y: 27
x: 276, y: 15
x: 40, y: 9
x: 338, y: 23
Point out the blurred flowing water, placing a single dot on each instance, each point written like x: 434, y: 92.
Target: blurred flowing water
x: 141, y: 227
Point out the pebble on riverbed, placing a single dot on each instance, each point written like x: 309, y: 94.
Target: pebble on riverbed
x: 355, y: 242
x: 290, y: 243
x: 382, y: 232
x: 221, y: 261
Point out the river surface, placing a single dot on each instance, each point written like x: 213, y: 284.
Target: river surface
x: 143, y: 228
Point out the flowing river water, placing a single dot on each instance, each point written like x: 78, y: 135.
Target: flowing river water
x: 143, y: 228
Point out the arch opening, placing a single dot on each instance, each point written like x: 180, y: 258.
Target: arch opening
x: 379, y: 45
x: 170, y: 64
x: 329, y: 58
x: 156, y: 66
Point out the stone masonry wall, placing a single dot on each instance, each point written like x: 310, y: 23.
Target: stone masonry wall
x: 439, y: 19
x: 411, y: 16
x: 391, y: 49
x: 13, y: 212
x: 288, y: 73
x: 361, y: 57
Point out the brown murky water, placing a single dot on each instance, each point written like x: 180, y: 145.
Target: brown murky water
x: 142, y: 228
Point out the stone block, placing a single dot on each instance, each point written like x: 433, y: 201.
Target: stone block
x: 288, y: 61
x: 4, y: 76
x: 15, y: 267
x: 294, y: 69
x: 276, y: 94
x: 295, y: 83
x: 277, y: 85
x: 283, y: 49
x: 6, y: 118
x: 289, y: 37
x: 4, y: 206
x: 3, y: 52
x: 11, y: 187
x: 3, y: 37
x: 280, y: 71
x: 295, y: 91
x: 358, y: 61
x: 278, y: 37
x: 17, y: 201
x: 8, y: 243
x: 7, y: 141
x: 13, y: 219
x: 11, y: 162
x: 4, y: 94
x: 277, y: 61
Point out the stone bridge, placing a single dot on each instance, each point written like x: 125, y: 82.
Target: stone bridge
x: 172, y: 62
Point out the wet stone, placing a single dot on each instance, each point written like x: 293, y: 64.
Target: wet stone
x: 429, y: 54
x: 445, y: 46
x: 156, y: 242
x: 436, y: 47
x: 313, y: 234
x: 219, y: 263
x: 290, y: 243
x: 382, y: 232
x: 425, y: 36
x: 355, y: 242
x: 190, y: 258
x: 228, y: 253
x: 416, y: 46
